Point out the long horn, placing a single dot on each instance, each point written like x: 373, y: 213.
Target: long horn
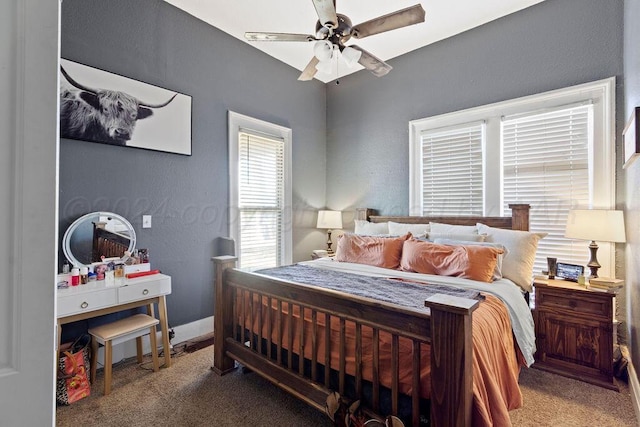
x: 144, y: 104
x: 75, y: 83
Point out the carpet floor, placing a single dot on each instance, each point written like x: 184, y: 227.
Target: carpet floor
x: 190, y: 394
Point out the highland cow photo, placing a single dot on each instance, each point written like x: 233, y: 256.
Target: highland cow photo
x: 99, y: 106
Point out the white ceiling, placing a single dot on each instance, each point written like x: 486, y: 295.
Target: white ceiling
x: 444, y: 18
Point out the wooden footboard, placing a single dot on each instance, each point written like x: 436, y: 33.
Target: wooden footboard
x: 447, y: 329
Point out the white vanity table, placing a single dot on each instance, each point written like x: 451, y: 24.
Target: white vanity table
x: 96, y: 299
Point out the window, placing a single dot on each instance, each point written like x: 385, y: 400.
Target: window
x: 553, y: 150
x: 546, y: 161
x: 452, y: 170
x: 259, y: 164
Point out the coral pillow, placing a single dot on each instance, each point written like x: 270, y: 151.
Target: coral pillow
x: 469, y: 262
x: 371, y: 250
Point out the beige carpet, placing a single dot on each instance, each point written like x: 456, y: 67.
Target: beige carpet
x: 190, y: 394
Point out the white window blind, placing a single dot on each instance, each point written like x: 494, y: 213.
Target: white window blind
x: 452, y: 179
x: 260, y: 199
x: 546, y: 164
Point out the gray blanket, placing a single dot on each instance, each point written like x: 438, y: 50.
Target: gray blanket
x: 397, y: 291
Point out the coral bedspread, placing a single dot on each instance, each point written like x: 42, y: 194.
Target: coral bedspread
x: 496, y: 359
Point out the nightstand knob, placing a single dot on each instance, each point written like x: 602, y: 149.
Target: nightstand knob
x: 573, y: 304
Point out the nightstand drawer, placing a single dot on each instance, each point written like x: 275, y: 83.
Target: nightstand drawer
x: 143, y: 288
x: 588, y: 304
x: 80, y: 302
x: 574, y: 332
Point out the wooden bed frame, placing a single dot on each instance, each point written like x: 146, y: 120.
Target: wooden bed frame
x: 107, y: 243
x: 447, y: 329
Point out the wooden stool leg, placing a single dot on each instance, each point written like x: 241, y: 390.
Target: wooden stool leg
x: 94, y: 359
x: 139, y: 349
x: 107, y: 367
x: 154, y: 348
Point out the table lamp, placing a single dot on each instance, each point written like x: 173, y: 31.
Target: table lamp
x: 329, y: 220
x: 595, y: 224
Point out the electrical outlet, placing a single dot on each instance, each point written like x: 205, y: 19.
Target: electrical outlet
x: 146, y: 221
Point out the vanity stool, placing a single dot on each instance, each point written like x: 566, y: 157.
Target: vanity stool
x: 120, y: 331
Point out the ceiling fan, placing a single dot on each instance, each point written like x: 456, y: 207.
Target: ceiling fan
x: 334, y: 29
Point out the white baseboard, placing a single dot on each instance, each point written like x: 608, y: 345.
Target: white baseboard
x: 182, y: 333
x: 634, y: 386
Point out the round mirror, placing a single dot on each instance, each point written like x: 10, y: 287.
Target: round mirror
x: 95, y: 235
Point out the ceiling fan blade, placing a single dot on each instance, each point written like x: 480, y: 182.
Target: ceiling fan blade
x: 279, y: 37
x: 401, y: 18
x: 326, y: 10
x: 377, y: 66
x: 310, y: 70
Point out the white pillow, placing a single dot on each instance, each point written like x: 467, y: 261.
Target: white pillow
x: 370, y: 228
x: 437, y: 227
x: 517, y: 264
x: 400, y: 229
x: 497, y: 272
x: 465, y: 237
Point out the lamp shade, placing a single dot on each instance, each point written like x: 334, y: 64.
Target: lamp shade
x: 596, y: 224
x: 323, y: 50
x: 351, y: 56
x: 329, y: 219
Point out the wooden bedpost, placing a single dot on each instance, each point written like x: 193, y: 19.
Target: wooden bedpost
x: 520, y: 216
x: 451, y: 360
x: 364, y: 213
x: 223, y: 315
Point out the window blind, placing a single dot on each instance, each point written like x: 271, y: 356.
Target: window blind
x: 260, y: 200
x: 546, y: 164
x: 452, y: 179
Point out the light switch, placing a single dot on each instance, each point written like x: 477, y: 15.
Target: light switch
x: 146, y: 221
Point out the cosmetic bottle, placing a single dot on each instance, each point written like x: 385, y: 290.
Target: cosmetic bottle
x: 119, y: 274
x: 75, y: 276
x: 66, y: 267
x: 84, y: 275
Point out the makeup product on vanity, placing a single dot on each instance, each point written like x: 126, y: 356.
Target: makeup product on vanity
x: 75, y: 276
x: 84, y: 275
x: 109, y: 278
x: 66, y: 267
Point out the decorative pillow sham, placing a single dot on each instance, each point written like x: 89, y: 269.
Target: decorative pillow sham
x: 497, y: 272
x: 371, y: 250
x: 371, y: 228
x: 469, y: 262
x: 517, y: 264
x: 437, y: 227
x: 400, y: 229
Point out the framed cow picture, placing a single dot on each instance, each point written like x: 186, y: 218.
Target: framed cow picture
x: 99, y: 106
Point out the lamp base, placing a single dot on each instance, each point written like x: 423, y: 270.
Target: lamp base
x: 593, y: 263
x: 329, y: 250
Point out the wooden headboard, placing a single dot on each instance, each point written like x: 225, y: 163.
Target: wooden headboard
x: 519, y: 219
x: 107, y: 244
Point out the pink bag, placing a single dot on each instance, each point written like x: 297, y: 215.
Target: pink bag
x: 73, y: 371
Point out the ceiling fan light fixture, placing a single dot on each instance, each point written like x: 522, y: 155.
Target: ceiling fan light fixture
x: 325, y: 66
x: 323, y: 50
x: 351, y: 56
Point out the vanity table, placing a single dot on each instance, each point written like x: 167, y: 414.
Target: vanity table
x: 96, y: 299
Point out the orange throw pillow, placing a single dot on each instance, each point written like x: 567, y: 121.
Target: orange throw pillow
x: 371, y: 250
x: 469, y: 262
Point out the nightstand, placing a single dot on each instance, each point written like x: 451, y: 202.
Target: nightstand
x: 574, y: 331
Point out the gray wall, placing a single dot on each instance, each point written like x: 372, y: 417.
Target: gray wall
x: 631, y: 177
x: 154, y: 42
x: 548, y: 46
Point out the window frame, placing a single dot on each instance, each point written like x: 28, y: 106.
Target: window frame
x: 236, y: 122
x: 602, y: 159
